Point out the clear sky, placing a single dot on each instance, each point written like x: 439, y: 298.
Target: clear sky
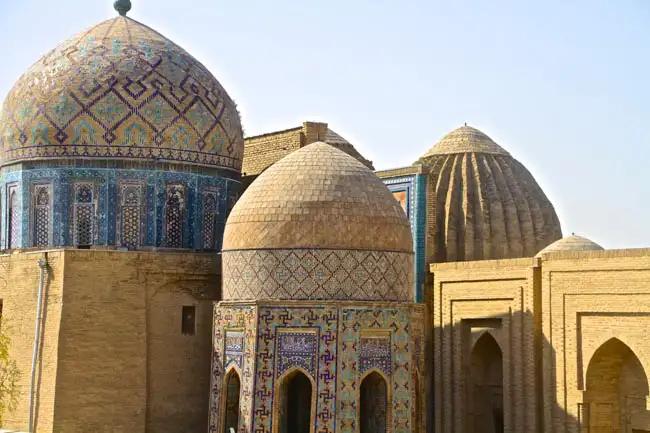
x: 564, y: 86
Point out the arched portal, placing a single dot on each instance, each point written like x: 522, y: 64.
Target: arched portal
x: 294, y: 411
x: 485, y: 387
x: 373, y: 405
x: 616, y: 388
x: 233, y: 390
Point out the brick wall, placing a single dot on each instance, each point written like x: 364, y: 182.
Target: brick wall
x: 123, y: 363
x: 572, y: 328
x: 19, y: 276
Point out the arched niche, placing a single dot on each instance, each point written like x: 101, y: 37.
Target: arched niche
x: 295, y: 404
x: 374, y: 403
x: 231, y: 398
x: 616, y: 389
x: 485, y: 387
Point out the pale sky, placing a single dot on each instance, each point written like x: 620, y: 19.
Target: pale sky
x: 564, y: 86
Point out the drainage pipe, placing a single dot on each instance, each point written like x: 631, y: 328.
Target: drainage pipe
x: 42, y: 264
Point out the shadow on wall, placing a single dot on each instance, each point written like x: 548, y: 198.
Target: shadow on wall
x: 484, y: 380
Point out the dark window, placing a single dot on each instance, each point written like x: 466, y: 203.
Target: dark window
x: 83, y: 212
x: 14, y: 219
x: 188, y: 324
x: 174, y: 215
x: 41, y: 215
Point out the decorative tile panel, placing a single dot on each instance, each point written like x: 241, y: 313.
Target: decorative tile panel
x: 225, y: 319
x: 234, y: 348
x: 374, y: 352
x: 120, y: 90
x: 112, y: 208
x: 41, y: 214
x: 317, y: 274
x: 297, y: 348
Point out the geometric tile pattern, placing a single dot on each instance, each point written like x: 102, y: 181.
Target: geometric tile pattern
x: 235, y: 330
x: 332, y: 344
x: 270, y: 321
x: 234, y: 348
x: 174, y: 215
x: 317, y: 274
x: 120, y: 90
x: 115, y: 211
x: 297, y: 349
x: 374, y: 352
x: 41, y: 214
x: 318, y: 197
x: 355, y: 323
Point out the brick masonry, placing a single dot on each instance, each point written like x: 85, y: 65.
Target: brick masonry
x: 554, y: 318
x: 113, y: 356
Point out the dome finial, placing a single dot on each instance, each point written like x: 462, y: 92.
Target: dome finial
x: 465, y: 123
x: 122, y: 6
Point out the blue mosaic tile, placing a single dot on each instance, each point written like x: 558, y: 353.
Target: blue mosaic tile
x: 106, y: 181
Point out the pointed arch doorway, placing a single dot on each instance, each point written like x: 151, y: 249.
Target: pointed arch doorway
x: 616, y: 388
x: 294, y: 400
x: 373, y: 404
x: 485, y: 387
x: 232, y: 393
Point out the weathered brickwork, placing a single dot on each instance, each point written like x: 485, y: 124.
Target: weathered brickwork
x: 262, y: 151
x: 572, y: 331
x: 114, y: 356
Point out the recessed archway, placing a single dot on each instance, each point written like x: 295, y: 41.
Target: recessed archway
x: 616, y: 388
x: 373, y: 404
x: 231, y: 404
x: 294, y: 403
x: 485, y: 387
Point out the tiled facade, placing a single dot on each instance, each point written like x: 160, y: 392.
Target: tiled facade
x: 318, y: 274
x: 336, y: 344
x: 120, y: 90
x: 119, y: 207
x: 410, y: 185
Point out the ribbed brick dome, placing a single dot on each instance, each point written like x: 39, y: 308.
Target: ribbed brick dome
x: 482, y: 203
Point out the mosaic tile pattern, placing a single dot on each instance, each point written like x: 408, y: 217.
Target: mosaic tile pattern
x: 375, y: 353
x: 318, y: 197
x: 121, y: 90
x: 234, y: 348
x: 271, y: 320
x: 317, y: 274
x: 337, y: 340
x: 354, y: 323
x: 297, y: 348
x: 114, y: 212
x: 228, y: 322
x: 414, y: 187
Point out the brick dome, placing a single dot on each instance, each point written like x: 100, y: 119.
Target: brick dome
x: 120, y: 90
x: 318, y: 224
x: 482, y: 203
x: 571, y: 243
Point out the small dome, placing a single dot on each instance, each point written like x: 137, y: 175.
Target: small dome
x: 485, y: 204
x: 120, y: 90
x: 465, y: 140
x: 318, y: 197
x: 318, y: 225
x: 571, y: 243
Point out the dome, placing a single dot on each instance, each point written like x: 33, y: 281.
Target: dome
x: 318, y: 224
x: 120, y: 90
x: 571, y: 243
x: 482, y: 203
